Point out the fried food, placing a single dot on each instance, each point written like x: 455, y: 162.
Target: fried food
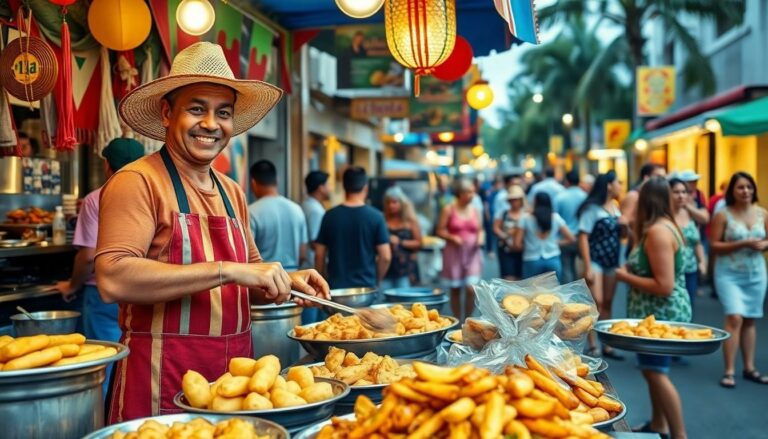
x: 49, y: 350
x: 410, y: 410
x: 196, y: 389
x: 33, y: 215
x: 477, y: 333
x: 515, y: 304
x: 369, y: 370
x: 650, y: 328
x: 197, y: 428
x: 546, y: 301
x: 415, y: 320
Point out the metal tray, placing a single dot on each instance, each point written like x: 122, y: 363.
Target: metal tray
x: 402, y: 346
x: 21, y: 227
x: 660, y: 346
x: 312, y: 431
x: 122, y: 352
x: 263, y: 427
x: 606, y: 425
x: 292, y: 418
x: 14, y: 243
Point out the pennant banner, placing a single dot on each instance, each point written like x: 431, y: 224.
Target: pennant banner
x: 520, y: 15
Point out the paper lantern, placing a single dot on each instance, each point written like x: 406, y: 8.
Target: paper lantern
x: 119, y: 24
x: 359, y: 8
x: 195, y: 17
x: 457, y: 64
x: 62, y: 3
x: 480, y: 95
x: 420, y: 33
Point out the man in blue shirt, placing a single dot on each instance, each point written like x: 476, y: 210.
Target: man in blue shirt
x: 567, y: 205
x: 354, y: 238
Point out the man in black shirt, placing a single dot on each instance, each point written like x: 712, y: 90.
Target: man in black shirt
x: 354, y: 238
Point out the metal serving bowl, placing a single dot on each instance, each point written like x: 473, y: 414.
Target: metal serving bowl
x: 605, y: 425
x: 263, y: 427
x: 354, y: 297
x: 61, y: 401
x: 660, y: 346
x: 437, y: 302
x: 413, y: 294
x: 292, y: 418
x: 45, y: 322
x: 401, y: 346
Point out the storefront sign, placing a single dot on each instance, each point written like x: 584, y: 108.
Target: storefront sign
x: 556, y: 144
x: 395, y: 108
x: 616, y: 132
x: 439, y: 108
x: 655, y: 90
x: 364, y: 60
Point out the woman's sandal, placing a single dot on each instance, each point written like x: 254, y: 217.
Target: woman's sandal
x: 754, y: 376
x: 728, y: 381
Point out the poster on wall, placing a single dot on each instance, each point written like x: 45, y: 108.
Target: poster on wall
x: 655, y: 90
x: 364, y: 60
x: 439, y: 108
x: 616, y: 132
x: 233, y: 160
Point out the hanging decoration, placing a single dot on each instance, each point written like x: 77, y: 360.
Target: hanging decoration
x: 126, y: 72
x: 195, y: 17
x: 359, y: 8
x: 109, y: 123
x: 28, y: 68
x: 66, y: 139
x: 457, y: 64
x: 520, y: 16
x: 480, y: 95
x: 9, y: 143
x: 147, y: 75
x: 420, y: 34
x: 123, y: 30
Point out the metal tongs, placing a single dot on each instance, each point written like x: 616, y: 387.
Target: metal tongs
x: 374, y: 319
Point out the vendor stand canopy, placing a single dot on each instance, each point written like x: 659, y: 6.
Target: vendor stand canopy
x: 745, y: 120
x: 476, y: 20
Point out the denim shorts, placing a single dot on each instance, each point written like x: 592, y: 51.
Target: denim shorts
x: 655, y: 363
x: 599, y: 269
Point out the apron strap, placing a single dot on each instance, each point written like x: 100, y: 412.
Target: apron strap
x: 178, y: 187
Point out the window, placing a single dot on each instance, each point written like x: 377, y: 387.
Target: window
x: 724, y: 23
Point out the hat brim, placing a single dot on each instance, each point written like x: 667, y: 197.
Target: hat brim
x: 140, y: 109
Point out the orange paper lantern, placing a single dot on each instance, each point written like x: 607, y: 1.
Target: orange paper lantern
x: 119, y: 24
x: 420, y: 33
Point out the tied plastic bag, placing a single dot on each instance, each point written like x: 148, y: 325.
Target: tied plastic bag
x: 535, y: 316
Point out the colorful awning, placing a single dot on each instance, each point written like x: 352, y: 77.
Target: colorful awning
x: 745, y: 120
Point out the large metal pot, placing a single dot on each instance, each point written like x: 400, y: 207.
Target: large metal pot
x: 353, y: 297
x: 45, y: 322
x: 62, y: 402
x: 269, y: 324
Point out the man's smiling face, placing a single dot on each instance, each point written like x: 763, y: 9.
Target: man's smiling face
x: 199, y: 119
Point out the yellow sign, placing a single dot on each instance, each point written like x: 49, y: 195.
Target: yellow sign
x: 616, y: 132
x: 366, y: 108
x: 655, y: 90
x: 556, y: 144
x: 26, y: 68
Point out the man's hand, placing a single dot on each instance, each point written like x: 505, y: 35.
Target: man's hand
x: 267, y: 278
x: 309, y: 282
x: 67, y: 290
x: 394, y: 240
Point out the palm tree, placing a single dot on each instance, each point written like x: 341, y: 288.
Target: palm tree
x: 632, y: 15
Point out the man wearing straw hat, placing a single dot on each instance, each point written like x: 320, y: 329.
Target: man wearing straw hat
x: 174, y: 246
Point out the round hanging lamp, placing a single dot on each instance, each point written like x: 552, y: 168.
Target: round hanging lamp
x: 119, y: 24
x: 195, y: 17
x: 359, y: 8
x: 28, y: 68
x: 420, y: 33
x: 480, y: 95
x: 457, y: 64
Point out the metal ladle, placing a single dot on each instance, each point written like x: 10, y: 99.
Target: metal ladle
x: 377, y: 320
x: 25, y: 312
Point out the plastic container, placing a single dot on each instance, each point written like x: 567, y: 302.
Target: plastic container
x: 59, y: 227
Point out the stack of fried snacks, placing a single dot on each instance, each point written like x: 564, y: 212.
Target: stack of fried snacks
x: 466, y: 402
x: 586, y: 399
x: 650, y: 328
x: 197, y: 428
x: 456, y: 336
x: 337, y: 327
x: 254, y: 385
x: 371, y: 369
x: 48, y: 350
x: 572, y: 363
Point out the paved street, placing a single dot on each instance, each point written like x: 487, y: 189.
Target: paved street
x: 710, y: 410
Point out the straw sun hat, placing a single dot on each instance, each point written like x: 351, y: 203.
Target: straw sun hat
x: 200, y: 62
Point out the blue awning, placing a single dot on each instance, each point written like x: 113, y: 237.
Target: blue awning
x: 476, y: 20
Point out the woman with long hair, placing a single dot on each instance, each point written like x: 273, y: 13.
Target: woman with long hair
x: 541, y: 234
x: 404, y: 238
x: 461, y: 226
x: 504, y: 227
x: 655, y: 275
x: 693, y: 254
x: 600, y: 232
x: 738, y: 241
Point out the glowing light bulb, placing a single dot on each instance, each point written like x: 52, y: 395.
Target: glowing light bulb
x: 195, y: 17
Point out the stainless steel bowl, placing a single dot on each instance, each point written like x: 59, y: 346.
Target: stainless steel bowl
x: 63, y: 401
x: 413, y: 294
x: 45, y: 322
x: 354, y: 297
x: 292, y: 418
x: 402, y: 346
x: 660, y: 346
x: 437, y: 302
x: 263, y: 427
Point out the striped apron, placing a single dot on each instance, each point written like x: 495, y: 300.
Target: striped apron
x: 201, y: 331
